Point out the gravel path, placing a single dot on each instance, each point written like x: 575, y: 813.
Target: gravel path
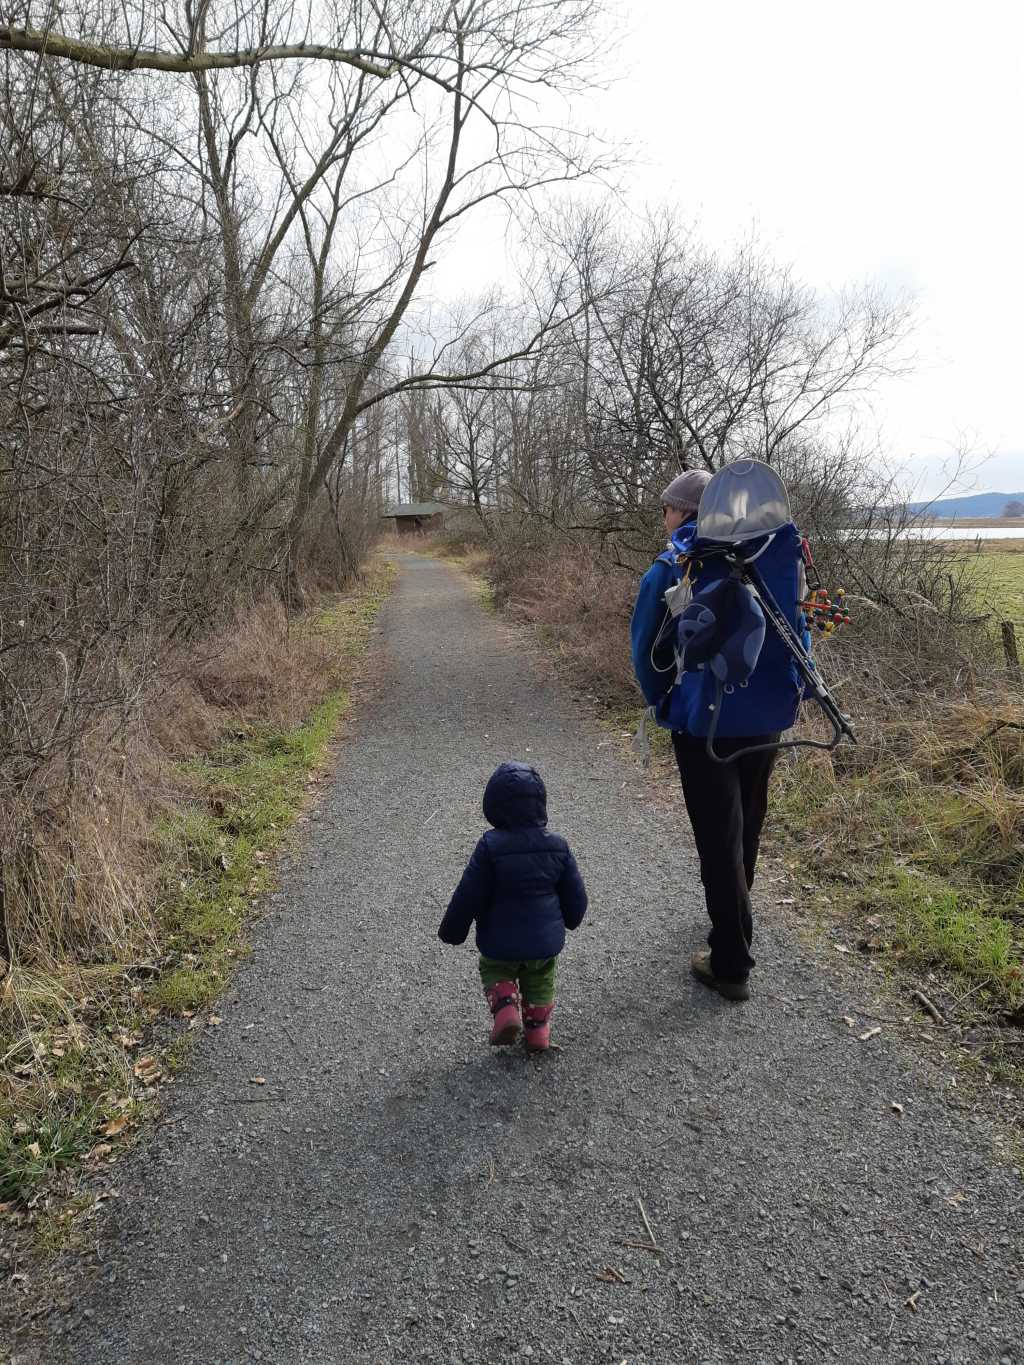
x: 400, y: 1194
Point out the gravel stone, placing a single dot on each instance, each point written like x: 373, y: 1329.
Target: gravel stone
x: 366, y: 1197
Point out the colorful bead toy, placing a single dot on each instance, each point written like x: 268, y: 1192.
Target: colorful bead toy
x: 825, y: 612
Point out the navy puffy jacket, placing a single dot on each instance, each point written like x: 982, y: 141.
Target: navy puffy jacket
x: 522, y: 885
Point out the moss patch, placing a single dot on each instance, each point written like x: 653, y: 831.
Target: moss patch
x: 215, y: 852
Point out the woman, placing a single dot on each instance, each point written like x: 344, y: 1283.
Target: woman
x: 726, y: 802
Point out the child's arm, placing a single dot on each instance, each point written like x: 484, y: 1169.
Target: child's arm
x: 471, y: 896
x: 572, y: 893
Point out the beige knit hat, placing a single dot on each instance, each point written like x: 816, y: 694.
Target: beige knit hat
x: 683, y: 493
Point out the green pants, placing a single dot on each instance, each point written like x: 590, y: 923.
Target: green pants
x: 536, y: 978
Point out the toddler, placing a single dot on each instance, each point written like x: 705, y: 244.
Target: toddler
x: 523, y: 888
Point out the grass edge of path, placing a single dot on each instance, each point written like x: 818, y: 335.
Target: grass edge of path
x: 108, y: 1054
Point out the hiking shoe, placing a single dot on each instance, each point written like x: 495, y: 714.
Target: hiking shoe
x: 503, y: 998
x: 700, y: 965
x: 537, y: 1027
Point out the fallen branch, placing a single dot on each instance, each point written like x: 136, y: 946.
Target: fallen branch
x: 927, y: 1005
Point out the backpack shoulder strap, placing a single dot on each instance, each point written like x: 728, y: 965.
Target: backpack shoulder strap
x: 679, y: 567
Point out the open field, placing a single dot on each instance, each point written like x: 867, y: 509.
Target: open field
x: 982, y: 523
x: 1001, y: 580
x: 1001, y: 547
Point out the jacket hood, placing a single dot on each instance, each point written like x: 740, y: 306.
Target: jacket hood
x: 515, y: 795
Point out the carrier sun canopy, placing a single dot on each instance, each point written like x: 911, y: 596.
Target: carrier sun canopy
x: 744, y: 500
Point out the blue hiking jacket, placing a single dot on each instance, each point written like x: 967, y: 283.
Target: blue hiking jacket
x: 522, y: 885
x: 771, y: 700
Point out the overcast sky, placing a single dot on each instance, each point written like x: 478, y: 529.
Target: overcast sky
x: 868, y: 140
x: 881, y: 140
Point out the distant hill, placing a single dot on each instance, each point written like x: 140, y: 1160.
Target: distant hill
x: 977, y: 505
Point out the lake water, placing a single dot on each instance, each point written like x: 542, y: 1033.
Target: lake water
x: 965, y: 532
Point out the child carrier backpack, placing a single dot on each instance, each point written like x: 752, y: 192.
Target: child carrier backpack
x: 722, y: 629
x: 730, y: 631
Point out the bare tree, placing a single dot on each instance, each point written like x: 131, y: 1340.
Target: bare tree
x: 479, y: 147
x: 203, y: 275
x: 687, y: 359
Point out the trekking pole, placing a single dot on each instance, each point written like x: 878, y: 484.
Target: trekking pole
x: 841, y: 725
x: 780, y: 623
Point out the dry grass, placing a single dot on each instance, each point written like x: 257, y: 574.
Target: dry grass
x: 465, y: 548
x: 78, y: 869
x: 581, y: 608
x: 919, y: 834
x: 126, y: 877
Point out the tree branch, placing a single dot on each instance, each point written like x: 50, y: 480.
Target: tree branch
x: 50, y: 43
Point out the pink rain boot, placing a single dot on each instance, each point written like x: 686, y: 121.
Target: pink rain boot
x: 503, y: 998
x: 537, y: 1026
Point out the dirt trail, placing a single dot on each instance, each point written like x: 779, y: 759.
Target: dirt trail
x: 398, y: 1193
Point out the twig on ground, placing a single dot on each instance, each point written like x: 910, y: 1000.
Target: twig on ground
x: 879, y: 1018
x: 927, y: 1004
x: 583, y: 1331
x: 967, y: 994
x: 782, y: 999
x: 643, y: 1246
x: 609, y: 1275
x: 291, y: 1038
x: 647, y: 1224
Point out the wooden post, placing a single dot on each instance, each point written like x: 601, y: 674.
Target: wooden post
x: 1009, y: 633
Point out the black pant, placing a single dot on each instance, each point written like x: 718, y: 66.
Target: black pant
x: 726, y: 803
